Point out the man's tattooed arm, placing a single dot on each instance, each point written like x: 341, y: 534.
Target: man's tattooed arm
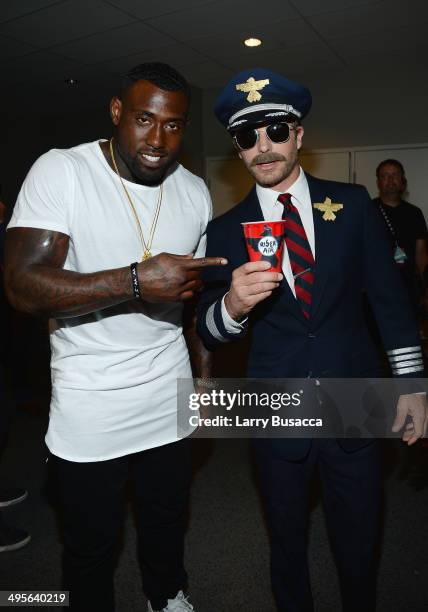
x: 36, y: 282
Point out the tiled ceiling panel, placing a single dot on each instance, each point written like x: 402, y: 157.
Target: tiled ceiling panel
x: 207, y: 74
x: 280, y: 34
x: 143, y: 9
x: 11, y: 9
x: 65, y: 21
x: 222, y: 17
x: 375, y: 18
x: 119, y: 42
x: 315, y: 7
x: 10, y: 48
x: 39, y: 68
x: 295, y: 60
x: 177, y: 55
x: 396, y: 40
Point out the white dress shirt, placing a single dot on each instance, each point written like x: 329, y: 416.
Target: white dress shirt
x: 272, y: 210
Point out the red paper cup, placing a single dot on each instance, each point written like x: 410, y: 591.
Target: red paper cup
x: 265, y: 242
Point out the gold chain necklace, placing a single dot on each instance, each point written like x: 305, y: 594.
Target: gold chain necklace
x: 146, y: 245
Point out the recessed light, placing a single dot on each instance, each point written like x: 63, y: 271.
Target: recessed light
x: 71, y: 81
x: 252, y: 42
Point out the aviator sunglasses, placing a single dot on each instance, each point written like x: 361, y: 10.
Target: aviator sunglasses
x: 276, y: 132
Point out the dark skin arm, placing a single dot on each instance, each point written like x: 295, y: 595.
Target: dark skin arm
x: 36, y: 282
x: 200, y: 357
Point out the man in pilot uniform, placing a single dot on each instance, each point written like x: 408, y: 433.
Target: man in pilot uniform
x: 309, y: 322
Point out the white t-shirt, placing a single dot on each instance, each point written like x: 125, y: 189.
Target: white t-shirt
x: 114, y: 371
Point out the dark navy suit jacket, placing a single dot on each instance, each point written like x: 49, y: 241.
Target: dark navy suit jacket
x: 352, y: 256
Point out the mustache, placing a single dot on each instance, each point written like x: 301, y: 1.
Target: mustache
x: 265, y: 158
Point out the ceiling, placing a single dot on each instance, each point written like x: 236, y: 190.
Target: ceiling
x: 44, y: 42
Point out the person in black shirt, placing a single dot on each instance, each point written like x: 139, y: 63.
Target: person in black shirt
x: 405, y: 223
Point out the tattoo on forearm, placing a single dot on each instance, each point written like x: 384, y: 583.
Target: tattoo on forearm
x: 37, y: 283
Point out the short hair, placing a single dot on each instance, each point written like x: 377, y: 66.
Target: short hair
x: 291, y: 118
x: 395, y: 162
x: 160, y: 74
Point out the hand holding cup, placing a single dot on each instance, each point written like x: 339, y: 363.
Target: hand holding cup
x: 254, y: 281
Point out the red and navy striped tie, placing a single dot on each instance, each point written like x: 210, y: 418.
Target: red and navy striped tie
x: 299, y: 252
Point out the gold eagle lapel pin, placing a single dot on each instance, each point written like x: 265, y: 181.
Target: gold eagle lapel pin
x: 328, y: 208
x: 252, y: 87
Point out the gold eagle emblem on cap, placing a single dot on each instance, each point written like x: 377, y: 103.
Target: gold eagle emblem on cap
x: 252, y: 87
x: 328, y: 208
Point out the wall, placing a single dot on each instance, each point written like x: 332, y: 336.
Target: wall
x: 26, y: 138
x: 192, y: 155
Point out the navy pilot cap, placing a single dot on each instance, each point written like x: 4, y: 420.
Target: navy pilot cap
x: 258, y: 96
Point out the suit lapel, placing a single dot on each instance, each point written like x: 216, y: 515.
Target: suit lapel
x: 252, y: 211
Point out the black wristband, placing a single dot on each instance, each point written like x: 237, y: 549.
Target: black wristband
x: 135, y: 283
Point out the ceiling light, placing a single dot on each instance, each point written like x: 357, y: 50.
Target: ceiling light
x: 71, y: 81
x: 252, y: 42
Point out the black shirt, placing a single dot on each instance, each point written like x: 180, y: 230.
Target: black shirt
x: 409, y: 225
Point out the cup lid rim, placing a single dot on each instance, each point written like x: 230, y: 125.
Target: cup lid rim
x: 258, y: 222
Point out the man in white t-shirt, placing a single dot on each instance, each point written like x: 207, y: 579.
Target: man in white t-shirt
x: 82, y: 217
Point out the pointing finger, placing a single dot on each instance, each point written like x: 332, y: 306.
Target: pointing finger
x: 205, y: 262
x: 186, y: 295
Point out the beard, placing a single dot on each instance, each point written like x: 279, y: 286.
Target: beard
x: 281, y: 171
x: 132, y: 167
x: 149, y: 176
x: 393, y: 191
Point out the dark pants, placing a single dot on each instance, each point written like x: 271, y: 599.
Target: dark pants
x: 6, y: 409
x: 351, y: 486
x: 91, y: 497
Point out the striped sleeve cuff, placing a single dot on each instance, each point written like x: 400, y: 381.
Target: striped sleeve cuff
x: 232, y: 326
x: 216, y: 325
x: 406, y: 360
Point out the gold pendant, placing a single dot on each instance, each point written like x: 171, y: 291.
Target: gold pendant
x: 146, y: 255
